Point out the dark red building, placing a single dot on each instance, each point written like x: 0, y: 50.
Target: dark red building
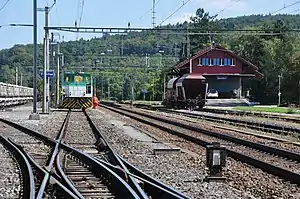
x: 225, y: 71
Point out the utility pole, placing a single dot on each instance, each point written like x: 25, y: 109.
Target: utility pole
x: 17, y: 73
x: 95, y: 86
x: 46, y: 64
x: 21, y: 80
x: 57, y: 74
x: 132, y: 91
x: 52, y: 54
x: 102, y: 88
x: 123, y: 88
x: 279, y: 88
x: 188, y: 45
x: 108, y: 89
x: 164, y: 94
x: 153, y: 13
x: 299, y: 92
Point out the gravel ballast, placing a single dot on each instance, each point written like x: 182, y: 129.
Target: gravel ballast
x: 183, y: 171
x: 240, y: 176
x: 10, y: 183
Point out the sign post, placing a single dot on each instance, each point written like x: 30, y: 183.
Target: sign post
x: 49, y: 73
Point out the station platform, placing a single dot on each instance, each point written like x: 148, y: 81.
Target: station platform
x: 227, y: 102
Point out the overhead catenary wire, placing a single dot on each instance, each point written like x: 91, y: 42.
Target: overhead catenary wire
x: 284, y: 7
x: 230, y: 5
x: 4, y: 5
x: 149, y: 10
x: 183, y: 4
x: 79, y: 15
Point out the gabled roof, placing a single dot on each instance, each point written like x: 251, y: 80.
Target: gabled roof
x: 219, y: 48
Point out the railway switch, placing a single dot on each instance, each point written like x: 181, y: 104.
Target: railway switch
x: 215, y: 161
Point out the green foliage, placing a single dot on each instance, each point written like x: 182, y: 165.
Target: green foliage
x: 140, y: 59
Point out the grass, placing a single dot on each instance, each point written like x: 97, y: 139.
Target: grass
x: 268, y: 109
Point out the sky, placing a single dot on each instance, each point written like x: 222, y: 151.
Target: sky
x: 117, y: 13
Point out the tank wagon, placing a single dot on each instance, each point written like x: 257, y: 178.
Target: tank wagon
x: 78, y: 90
x: 186, y: 92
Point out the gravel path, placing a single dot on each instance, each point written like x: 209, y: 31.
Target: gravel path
x: 182, y: 171
x: 240, y: 176
x: 10, y: 185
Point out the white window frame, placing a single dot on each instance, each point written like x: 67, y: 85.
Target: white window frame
x: 233, y: 62
x: 221, y: 61
x: 200, y: 61
x: 210, y: 61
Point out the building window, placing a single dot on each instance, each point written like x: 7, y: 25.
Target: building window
x: 201, y: 60
x: 210, y: 62
x: 215, y: 61
x: 233, y: 62
x: 225, y: 62
x: 218, y: 61
x: 222, y: 62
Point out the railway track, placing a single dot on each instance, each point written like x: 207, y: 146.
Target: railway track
x: 289, y: 129
x: 91, y: 171
x: 278, y: 162
x: 233, y: 112
x: 97, y: 147
x: 257, y: 114
x: 17, y: 178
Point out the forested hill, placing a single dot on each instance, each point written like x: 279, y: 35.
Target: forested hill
x: 272, y: 54
x: 291, y: 21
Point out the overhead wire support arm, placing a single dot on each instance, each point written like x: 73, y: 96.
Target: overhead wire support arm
x: 192, y: 31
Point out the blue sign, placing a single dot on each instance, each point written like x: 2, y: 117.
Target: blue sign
x: 49, y: 73
x: 144, y: 91
x: 221, y: 77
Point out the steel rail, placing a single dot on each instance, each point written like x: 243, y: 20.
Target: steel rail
x: 101, y: 169
x: 52, y: 159
x: 65, y: 178
x: 40, y: 169
x: 27, y: 173
x: 100, y: 138
x: 251, y: 113
x: 153, y: 184
x: 160, y: 191
x: 252, y: 124
x: 269, y: 168
x: 117, y: 181
x: 254, y: 145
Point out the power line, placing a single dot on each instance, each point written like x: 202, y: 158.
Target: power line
x: 80, y: 5
x: 81, y: 13
x: 149, y: 10
x: 284, y: 7
x: 184, y: 3
x: 78, y: 8
x: 4, y: 5
x: 230, y: 5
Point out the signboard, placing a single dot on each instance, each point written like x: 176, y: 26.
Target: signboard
x: 221, y: 77
x: 49, y: 73
x: 144, y: 91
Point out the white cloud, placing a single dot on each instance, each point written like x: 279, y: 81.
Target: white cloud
x: 182, y: 18
x: 231, y: 8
